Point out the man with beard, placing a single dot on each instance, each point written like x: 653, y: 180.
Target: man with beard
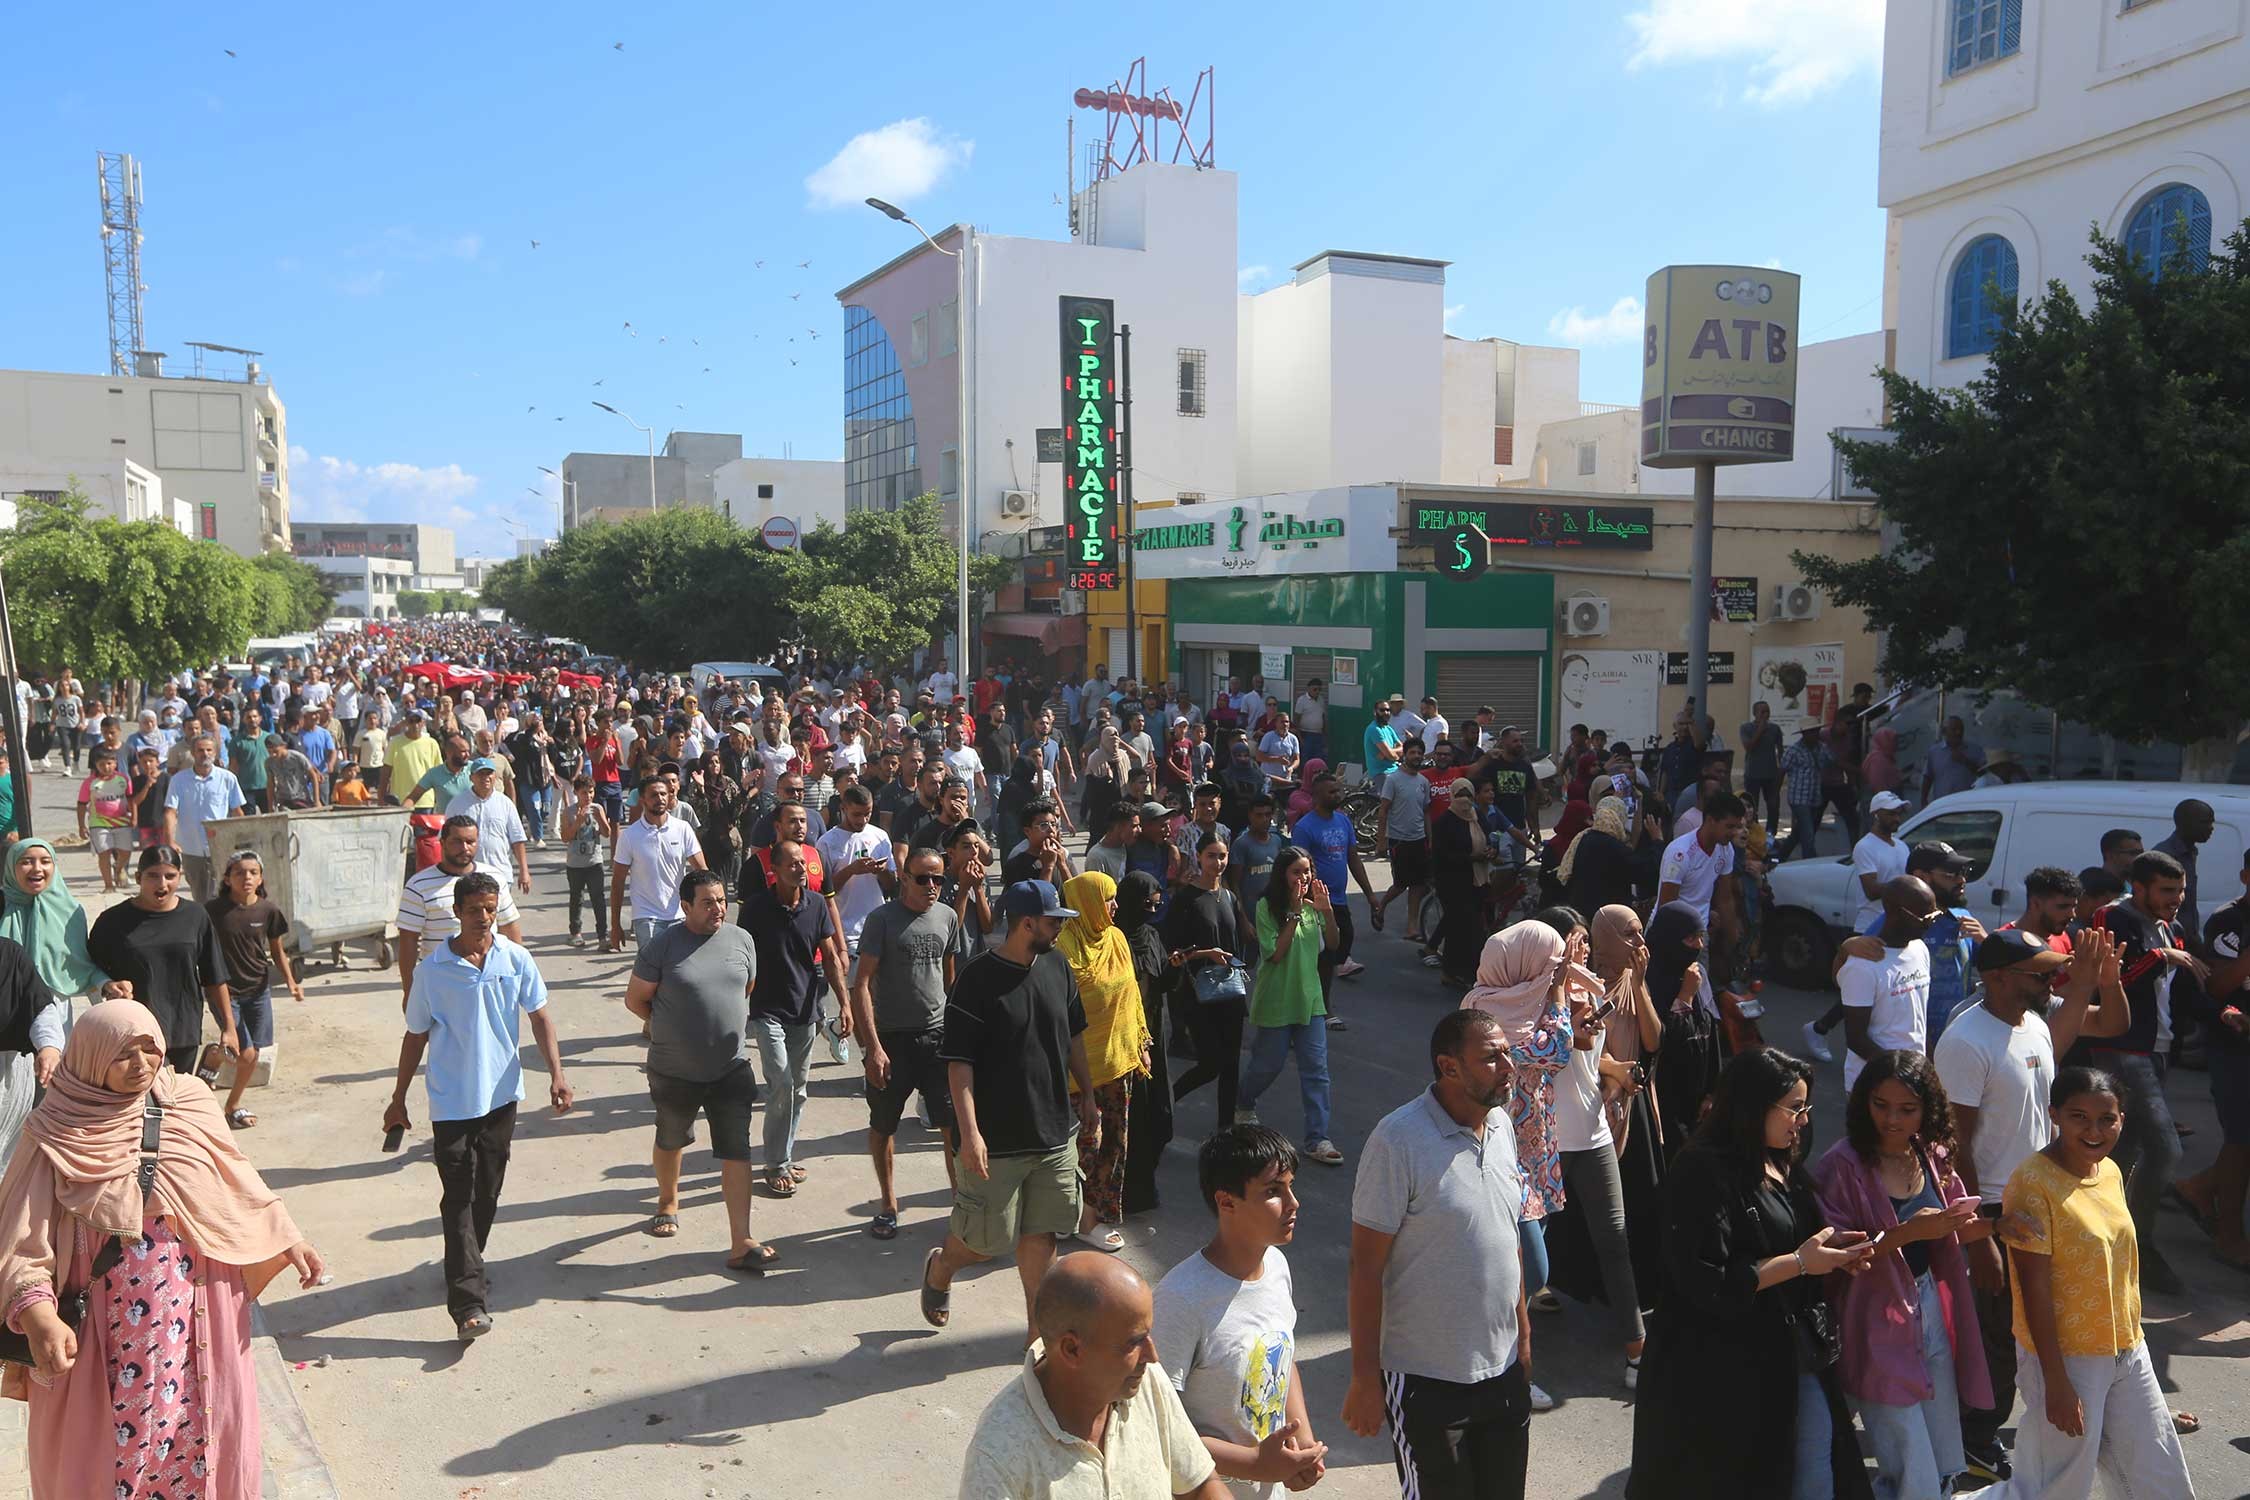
x: 1327, y: 834
x: 1014, y: 1048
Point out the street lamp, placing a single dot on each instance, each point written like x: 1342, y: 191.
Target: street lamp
x: 967, y: 439
x: 650, y: 432
x: 564, y: 518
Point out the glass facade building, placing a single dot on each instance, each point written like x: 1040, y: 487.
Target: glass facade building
x: 881, y: 471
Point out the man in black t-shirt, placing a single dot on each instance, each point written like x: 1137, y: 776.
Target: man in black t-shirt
x: 1013, y: 1045
x: 2217, y: 1192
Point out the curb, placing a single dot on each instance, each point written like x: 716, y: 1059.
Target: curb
x: 294, y: 1469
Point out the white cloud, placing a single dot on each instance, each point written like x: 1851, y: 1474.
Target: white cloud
x: 1577, y: 328
x: 1453, y: 312
x: 1793, y: 52
x: 900, y: 162
x: 340, y: 489
x: 1252, y: 278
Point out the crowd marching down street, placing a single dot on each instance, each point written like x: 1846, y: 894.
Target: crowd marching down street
x: 883, y: 869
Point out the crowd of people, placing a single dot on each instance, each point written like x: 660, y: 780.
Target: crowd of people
x: 879, y: 865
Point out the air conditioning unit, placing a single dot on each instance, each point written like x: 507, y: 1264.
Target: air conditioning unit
x: 1018, y: 504
x: 1073, y: 602
x: 1796, y: 601
x: 1585, y: 614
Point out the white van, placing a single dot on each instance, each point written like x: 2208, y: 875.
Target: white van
x: 2005, y: 831
x: 270, y: 651
x: 749, y: 673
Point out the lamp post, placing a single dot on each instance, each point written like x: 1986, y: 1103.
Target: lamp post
x: 966, y: 533
x: 566, y: 504
x: 650, y: 433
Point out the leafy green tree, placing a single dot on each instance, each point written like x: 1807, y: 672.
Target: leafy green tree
x: 2075, y: 524
x: 113, y: 599
x: 293, y: 596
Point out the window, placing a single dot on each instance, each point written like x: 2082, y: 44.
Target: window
x: 949, y: 472
x: 1984, y: 31
x: 1503, y: 446
x: 1192, y: 392
x: 948, y: 328
x: 1587, y: 455
x: 2172, y: 221
x: 1983, y: 290
x: 880, y: 469
x: 765, y: 492
x: 1974, y: 835
x: 918, y: 341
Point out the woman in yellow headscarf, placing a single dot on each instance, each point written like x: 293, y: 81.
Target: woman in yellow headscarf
x: 1117, y: 1041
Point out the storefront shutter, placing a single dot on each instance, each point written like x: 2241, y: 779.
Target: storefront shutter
x: 1511, y: 684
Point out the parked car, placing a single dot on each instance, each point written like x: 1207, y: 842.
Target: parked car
x: 707, y: 673
x: 2005, y: 831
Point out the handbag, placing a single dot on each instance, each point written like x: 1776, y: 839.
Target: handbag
x: 1215, y: 984
x: 1812, y: 1328
x: 15, y: 1348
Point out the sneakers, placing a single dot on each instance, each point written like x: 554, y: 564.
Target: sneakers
x: 1350, y: 968
x: 578, y: 940
x: 1325, y: 1153
x: 1817, y: 1044
x: 1544, y: 1300
x: 1990, y: 1468
x: 1432, y: 961
x: 1633, y: 1375
x: 839, y: 1045
x: 1541, y: 1401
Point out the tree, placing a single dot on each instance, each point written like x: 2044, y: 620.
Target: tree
x: 2075, y: 525
x: 293, y: 596
x: 416, y: 603
x: 117, y: 600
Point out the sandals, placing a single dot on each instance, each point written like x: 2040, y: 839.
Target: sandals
x: 937, y: 1306
x: 662, y: 1226
x: 782, y: 1185
x: 754, y: 1260
x: 2186, y: 1423
x: 884, y: 1226
x: 473, y: 1327
x: 241, y: 1119
x: 797, y: 1173
x: 1102, y: 1237
x: 1375, y: 914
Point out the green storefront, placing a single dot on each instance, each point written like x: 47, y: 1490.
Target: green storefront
x: 1366, y: 629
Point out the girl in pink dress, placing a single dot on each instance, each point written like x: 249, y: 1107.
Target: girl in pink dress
x: 153, y: 1394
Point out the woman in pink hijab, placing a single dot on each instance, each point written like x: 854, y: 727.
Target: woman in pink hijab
x: 1301, y: 800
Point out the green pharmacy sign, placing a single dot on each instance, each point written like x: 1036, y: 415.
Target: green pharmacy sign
x: 1091, y: 550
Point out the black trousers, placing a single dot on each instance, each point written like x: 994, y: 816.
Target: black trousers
x: 1217, y: 1030
x: 472, y: 1163
x: 1462, y: 925
x: 1460, y: 1442
x: 586, y: 883
x: 1980, y: 1427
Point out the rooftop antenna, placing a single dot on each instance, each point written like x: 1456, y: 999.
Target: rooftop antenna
x: 121, y: 257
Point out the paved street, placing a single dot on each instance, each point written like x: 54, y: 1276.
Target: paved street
x: 821, y: 1379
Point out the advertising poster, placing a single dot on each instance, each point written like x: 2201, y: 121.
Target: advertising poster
x: 1803, y: 684
x: 1612, y: 690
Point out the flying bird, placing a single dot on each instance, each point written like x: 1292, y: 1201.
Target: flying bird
x: 697, y: 342
x: 706, y: 369
x: 757, y: 265
x: 530, y: 409
x: 792, y: 364
x: 558, y: 419
x: 617, y: 46
x: 597, y: 382
x: 629, y: 331
x: 814, y: 332
x: 534, y: 244
x: 804, y: 265
x: 229, y: 51
x: 793, y: 296
x: 662, y: 339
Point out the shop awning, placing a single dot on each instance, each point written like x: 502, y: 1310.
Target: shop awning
x: 1053, y: 633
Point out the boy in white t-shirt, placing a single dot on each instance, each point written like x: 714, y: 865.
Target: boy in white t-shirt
x: 1694, y: 863
x: 1226, y: 1320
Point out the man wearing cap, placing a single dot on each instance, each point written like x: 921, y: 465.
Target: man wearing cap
x: 1997, y: 1062
x: 500, y: 831
x: 1014, y: 1046
x: 411, y: 758
x: 1878, y: 858
x: 1886, y: 998
x: 1951, y: 937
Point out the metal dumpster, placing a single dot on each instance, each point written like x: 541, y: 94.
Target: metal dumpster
x: 335, y: 873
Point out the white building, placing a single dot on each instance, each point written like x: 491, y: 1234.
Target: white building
x: 1499, y: 396
x: 120, y: 489
x: 219, y: 447
x: 372, y: 562
x: 752, y: 491
x: 2010, y: 126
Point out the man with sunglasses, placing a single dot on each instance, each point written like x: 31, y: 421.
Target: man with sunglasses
x: 905, y: 965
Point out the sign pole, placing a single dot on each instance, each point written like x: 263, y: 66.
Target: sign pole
x: 1699, y: 593
x: 11, y: 726
x: 1125, y: 491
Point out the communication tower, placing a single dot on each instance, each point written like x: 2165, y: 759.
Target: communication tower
x: 121, y: 257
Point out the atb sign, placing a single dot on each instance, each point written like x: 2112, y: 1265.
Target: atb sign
x: 1719, y: 366
x: 1091, y: 544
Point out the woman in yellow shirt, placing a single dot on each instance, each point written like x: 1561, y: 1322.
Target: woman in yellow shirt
x: 2091, y: 1401
x: 1117, y: 1045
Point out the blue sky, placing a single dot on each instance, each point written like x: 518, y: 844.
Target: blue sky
x: 355, y: 192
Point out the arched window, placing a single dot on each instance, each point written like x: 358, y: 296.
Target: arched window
x: 1984, y: 287
x: 2173, y: 218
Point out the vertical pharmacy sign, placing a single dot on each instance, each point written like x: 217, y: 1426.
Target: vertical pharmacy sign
x: 1091, y: 519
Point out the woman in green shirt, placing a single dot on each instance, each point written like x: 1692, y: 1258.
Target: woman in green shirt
x: 1295, y: 923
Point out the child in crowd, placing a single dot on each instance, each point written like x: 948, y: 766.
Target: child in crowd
x: 251, y: 930
x: 105, y: 815
x: 350, y: 790
x: 1226, y: 1320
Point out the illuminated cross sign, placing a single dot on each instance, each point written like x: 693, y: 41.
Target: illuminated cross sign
x: 1089, y: 413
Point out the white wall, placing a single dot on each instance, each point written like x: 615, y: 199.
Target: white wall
x: 1284, y: 438
x: 1612, y: 438
x: 1492, y: 383
x: 119, y: 488
x: 1836, y: 387
x: 1386, y: 372
x: 808, y: 491
x: 1177, y: 293
x: 2101, y: 106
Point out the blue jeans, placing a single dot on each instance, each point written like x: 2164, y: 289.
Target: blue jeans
x: 1531, y: 1236
x: 784, y: 1056
x: 1813, y: 1477
x: 534, y: 811
x: 645, y: 929
x: 1270, y: 1047
x: 2149, y: 1150
x: 1918, y: 1447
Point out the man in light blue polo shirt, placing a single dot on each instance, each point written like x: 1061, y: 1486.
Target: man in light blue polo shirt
x: 1441, y: 1339
x: 203, y: 792
x: 463, y: 1010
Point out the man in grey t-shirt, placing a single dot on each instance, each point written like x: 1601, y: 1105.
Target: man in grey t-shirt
x: 692, y: 983
x: 906, y: 958
x: 1441, y: 1340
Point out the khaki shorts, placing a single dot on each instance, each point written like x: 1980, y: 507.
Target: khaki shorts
x: 1024, y: 1195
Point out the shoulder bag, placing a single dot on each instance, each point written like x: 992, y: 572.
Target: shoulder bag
x: 15, y: 1348
x: 1215, y: 983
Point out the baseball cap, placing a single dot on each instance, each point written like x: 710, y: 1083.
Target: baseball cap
x: 1155, y: 812
x: 2012, y: 946
x: 742, y: 728
x: 1032, y: 898
x: 417, y: 715
x: 483, y: 763
x: 1887, y: 802
x: 1937, y: 855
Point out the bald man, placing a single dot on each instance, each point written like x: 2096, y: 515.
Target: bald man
x: 1090, y: 1375
x: 1887, y: 999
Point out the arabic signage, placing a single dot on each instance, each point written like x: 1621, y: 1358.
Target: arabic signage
x: 1050, y: 444
x: 1719, y: 366
x: 1675, y: 669
x: 1090, y: 472
x: 1734, y: 600
x: 1344, y: 530
x: 1632, y: 527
